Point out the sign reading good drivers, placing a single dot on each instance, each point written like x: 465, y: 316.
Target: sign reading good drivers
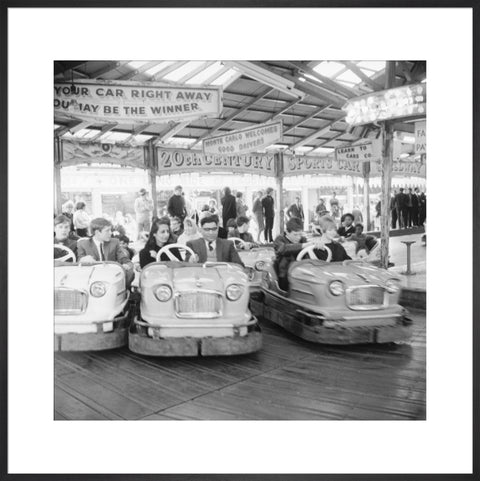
x: 136, y: 102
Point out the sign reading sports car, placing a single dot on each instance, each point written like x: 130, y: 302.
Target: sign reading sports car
x: 136, y: 102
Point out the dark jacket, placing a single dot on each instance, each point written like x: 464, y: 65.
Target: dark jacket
x: 296, y: 211
x: 346, y: 232
x: 68, y: 242
x: 285, y: 253
x: 401, y: 200
x: 224, y: 248
x: 229, y: 205
x: 176, y: 206
x: 146, y: 258
x: 267, y: 205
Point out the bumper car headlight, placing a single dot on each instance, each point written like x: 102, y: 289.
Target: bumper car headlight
x: 336, y: 288
x: 260, y: 265
x: 393, y: 285
x: 163, y: 293
x: 250, y: 273
x: 98, y: 289
x: 234, y: 292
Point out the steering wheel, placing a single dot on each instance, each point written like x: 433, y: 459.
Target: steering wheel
x: 69, y: 253
x: 240, y: 241
x: 310, y: 251
x: 167, y: 250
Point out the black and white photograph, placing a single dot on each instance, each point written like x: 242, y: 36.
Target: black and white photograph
x: 241, y: 283
x: 240, y: 240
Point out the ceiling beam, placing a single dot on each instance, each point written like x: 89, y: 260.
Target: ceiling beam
x: 168, y: 134
x: 365, y: 78
x: 195, y: 71
x: 235, y: 114
x: 80, y: 126
x: 305, y: 119
x: 66, y: 128
x: 109, y: 67
x: 315, y: 135
x: 169, y: 68
x: 137, y: 130
x: 326, y: 141
x: 332, y: 85
x: 106, y: 128
x: 61, y: 67
x: 283, y: 110
x: 138, y: 70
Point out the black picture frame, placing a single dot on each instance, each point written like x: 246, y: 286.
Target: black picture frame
x: 9, y: 4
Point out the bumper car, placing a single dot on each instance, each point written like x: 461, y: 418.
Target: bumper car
x: 254, y: 259
x: 91, y: 306
x: 350, y: 302
x: 191, y: 309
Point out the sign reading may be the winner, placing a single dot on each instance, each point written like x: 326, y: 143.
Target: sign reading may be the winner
x: 245, y: 140
x: 136, y: 102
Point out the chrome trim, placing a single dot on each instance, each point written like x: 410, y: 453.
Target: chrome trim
x: 372, y: 316
x: 369, y: 307
x: 296, y: 289
x: 76, y: 312
x: 252, y: 322
x: 202, y: 315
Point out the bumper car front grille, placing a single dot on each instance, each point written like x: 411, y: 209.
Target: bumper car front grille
x: 70, y: 301
x: 198, y: 304
x: 366, y: 297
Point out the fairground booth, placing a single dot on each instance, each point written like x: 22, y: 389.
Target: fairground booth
x: 354, y: 130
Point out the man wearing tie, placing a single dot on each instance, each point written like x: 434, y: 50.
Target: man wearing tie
x: 102, y: 247
x: 210, y: 248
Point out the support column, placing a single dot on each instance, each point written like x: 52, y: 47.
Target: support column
x: 387, y: 161
x: 306, y: 207
x: 366, y: 193
x: 57, y: 179
x: 152, y: 173
x: 279, y: 221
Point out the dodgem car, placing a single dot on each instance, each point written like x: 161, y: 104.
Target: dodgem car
x: 345, y: 302
x: 91, y: 308
x: 190, y: 309
x: 254, y: 259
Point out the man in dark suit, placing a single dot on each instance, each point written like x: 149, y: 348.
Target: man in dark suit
x: 296, y: 210
x: 402, y: 211
x: 229, y: 206
x: 416, y: 206
x: 211, y: 248
x: 102, y: 247
x: 268, y: 214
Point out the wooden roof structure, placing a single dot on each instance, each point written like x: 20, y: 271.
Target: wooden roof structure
x: 307, y: 95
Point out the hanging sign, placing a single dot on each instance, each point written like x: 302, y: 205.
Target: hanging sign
x: 421, y: 137
x: 171, y: 161
x: 362, y: 152
x: 75, y: 152
x: 301, y: 165
x: 135, y: 102
x: 401, y: 168
x: 245, y: 140
x: 406, y: 101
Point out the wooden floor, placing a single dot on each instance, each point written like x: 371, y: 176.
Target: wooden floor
x: 288, y: 379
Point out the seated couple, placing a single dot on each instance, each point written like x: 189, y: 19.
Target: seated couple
x: 239, y: 228
x: 207, y: 248
x: 289, y: 244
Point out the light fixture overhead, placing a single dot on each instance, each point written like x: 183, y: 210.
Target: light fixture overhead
x: 260, y: 74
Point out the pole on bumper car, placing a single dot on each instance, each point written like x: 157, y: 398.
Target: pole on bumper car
x: 57, y: 156
x: 387, y: 163
x: 152, y: 171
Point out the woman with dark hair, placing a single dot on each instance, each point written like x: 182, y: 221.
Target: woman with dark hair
x: 159, y: 237
x: 229, y: 206
x: 81, y: 220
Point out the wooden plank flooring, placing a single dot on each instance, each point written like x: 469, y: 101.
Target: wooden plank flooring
x: 288, y: 379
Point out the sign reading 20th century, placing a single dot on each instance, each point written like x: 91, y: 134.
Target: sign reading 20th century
x: 136, y: 102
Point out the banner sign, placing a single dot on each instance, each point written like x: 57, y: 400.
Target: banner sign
x: 173, y: 161
x: 362, y: 152
x: 245, y: 140
x: 135, y: 102
x: 401, y: 168
x: 301, y: 165
x: 421, y: 137
x: 74, y: 152
x: 406, y: 101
